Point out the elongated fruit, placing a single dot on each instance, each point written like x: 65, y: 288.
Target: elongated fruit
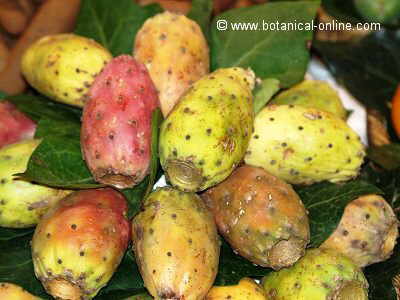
x: 367, y: 232
x: 206, y: 135
x: 174, y: 61
x: 9, y: 291
x: 22, y: 203
x: 261, y: 217
x: 319, y: 275
x: 176, y: 245
x: 79, y: 244
x: 313, y: 93
x: 246, y: 289
x: 14, y: 125
x: 116, y: 123
x: 304, y: 145
x: 64, y: 66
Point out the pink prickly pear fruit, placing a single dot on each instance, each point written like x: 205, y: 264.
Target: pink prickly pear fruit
x: 14, y: 125
x: 78, y: 244
x: 116, y: 124
x: 260, y: 216
x: 367, y: 231
x: 10, y: 291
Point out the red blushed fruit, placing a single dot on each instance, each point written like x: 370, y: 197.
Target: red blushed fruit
x: 79, y: 244
x: 14, y: 125
x: 116, y: 124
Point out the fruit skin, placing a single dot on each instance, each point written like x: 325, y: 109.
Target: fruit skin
x: 382, y: 11
x: 10, y: 291
x: 79, y: 244
x: 304, y: 145
x: 174, y: 61
x: 116, y: 123
x: 14, y: 125
x: 183, y: 263
x: 217, y: 114
x: 313, y: 93
x: 321, y: 274
x: 63, y: 66
x: 395, y: 113
x: 246, y: 289
x: 260, y: 216
x: 367, y: 232
x: 22, y: 203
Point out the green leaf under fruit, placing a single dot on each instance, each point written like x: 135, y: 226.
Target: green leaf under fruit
x: 387, y: 156
x: 113, y: 24
x: 326, y: 202
x: 342, y: 10
x: 7, y: 234
x: 271, y: 54
x: 201, y: 12
x: 264, y: 92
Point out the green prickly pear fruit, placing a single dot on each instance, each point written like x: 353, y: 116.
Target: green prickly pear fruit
x: 10, y: 291
x: 260, y: 216
x: 246, y: 289
x: 320, y: 275
x: 382, y: 11
x: 304, y: 145
x: 367, y: 232
x: 183, y: 263
x: 217, y: 114
x: 313, y: 93
x: 79, y: 243
x: 64, y: 66
x: 159, y: 42
x: 22, y: 203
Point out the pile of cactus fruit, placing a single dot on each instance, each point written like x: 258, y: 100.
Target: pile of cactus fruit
x: 232, y: 176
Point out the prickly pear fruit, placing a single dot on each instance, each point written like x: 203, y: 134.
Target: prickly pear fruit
x: 304, y: 145
x: 183, y: 263
x: 79, y: 244
x: 22, y: 203
x: 9, y: 291
x: 367, y: 232
x: 382, y: 11
x: 116, y: 123
x: 174, y: 61
x: 313, y: 93
x: 140, y: 297
x: 260, y: 216
x: 14, y: 125
x: 217, y: 114
x: 320, y: 275
x: 63, y: 66
x: 246, y: 289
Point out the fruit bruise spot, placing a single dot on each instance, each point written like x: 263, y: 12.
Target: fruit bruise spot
x: 39, y: 204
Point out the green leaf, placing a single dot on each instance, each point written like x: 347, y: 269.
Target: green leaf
x: 325, y: 203
x: 2, y: 95
x: 114, y: 25
x: 233, y: 267
x: 264, y: 92
x: 387, y: 156
x: 51, y: 128
x: 135, y: 196
x: 271, y: 53
x: 342, y: 10
x: 380, y: 277
x: 201, y: 12
x: 369, y: 68
x: 38, y: 107
x: 7, y: 234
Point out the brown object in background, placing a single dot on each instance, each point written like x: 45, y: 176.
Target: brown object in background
x: 243, y: 3
x: 54, y: 16
x: 4, y: 52
x: 12, y: 18
x: 377, y: 130
x: 175, y: 6
x: 27, y: 7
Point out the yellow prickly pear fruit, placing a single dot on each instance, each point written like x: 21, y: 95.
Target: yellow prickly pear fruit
x: 174, y: 61
x: 304, y: 145
x: 367, y: 232
x: 183, y: 263
x: 321, y: 274
x: 9, y: 291
x: 64, y: 66
x: 217, y: 114
x: 22, y: 203
x: 246, y: 289
x: 313, y: 93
